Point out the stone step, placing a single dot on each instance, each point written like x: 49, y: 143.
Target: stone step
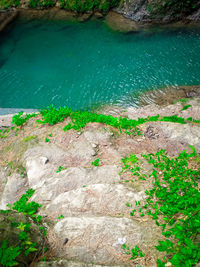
x: 96, y: 199
x: 99, y: 239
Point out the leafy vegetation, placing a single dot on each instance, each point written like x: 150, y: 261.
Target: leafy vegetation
x: 79, y: 119
x: 186, y: 107
x: 173, y: 7
x: 21, y: 120
x: 79, y: 6
x: 88, y: 5
x: 9, y: 254
x: 134, y: 252
x: 60, y: 168
x: 4, y: 4
x: 41, y: 3
x: 174, y: 204
x: 26, y: 139
x: 96, y: 162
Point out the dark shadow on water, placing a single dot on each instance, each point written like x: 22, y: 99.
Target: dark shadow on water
x: 2, y: 62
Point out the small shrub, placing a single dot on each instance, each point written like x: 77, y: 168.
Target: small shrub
x: 5, y: 4
x: 60, y: 168
x: 96, y: 162
x: 186, y: 107
x: 82, y: 6
x: 20, y: 120
x: 41, y: 3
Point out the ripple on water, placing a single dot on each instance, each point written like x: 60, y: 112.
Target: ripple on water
x: 86, y: 64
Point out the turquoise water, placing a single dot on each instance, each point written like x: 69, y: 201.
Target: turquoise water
x: 84, y: 64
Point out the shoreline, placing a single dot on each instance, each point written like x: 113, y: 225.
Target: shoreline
x: 113, y: 19
x: 153, y: 97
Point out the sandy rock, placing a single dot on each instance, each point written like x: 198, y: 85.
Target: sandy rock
x: 98, y: 199
x: 94, y: 238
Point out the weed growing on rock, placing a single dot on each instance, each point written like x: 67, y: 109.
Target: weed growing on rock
x: 60, y: 168
x: 19, y: 120
x: 96, y: 162
x: 174, y: 204
x: 47, y: 140
x: 9, y: 254
x: 182, y: 100
x: 61, y: 217
x: 186, y: 107
x: 29, y: 138
x: 134, y: 252
x: 79, y: 119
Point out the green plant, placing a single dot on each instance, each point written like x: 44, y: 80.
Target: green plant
x: 82, y: 6
x: 134, y: 252
x: 41, y: 3
x: 21, y: 120
x: 79, y: 119
x: 174, y: 204
x: 96, y: 162
x: 5, y: 4
x: 29, y: 138
x: 61, y: 217
x: 47, y: 140
x: 186, y: 107
x: 60, y: 168
x: 9, y: 254
x: 23, y: 172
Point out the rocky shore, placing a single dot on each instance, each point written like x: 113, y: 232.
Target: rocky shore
x: 129, y: 16
x: 92, y: 199
x: 6, y: 17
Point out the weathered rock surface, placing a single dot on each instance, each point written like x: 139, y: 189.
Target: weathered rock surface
x: 96, y: 238
x: 93, y: 199
x: 98, y: 199
x: 141, y: 11
x: 13, y: 189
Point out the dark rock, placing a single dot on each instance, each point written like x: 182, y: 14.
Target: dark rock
x: 11, y: 235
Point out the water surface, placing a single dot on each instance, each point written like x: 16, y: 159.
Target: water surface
x: 84, y: 64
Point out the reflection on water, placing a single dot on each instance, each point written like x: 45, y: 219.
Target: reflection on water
x: 86, y: 64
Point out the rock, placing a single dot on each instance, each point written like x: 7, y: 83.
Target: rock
x: 93, y: 238
x: 119, y: 23
x: 98, y: 15
x: 188, y: 134
x: 97, y: 199
x: 14, y: 188
x: 135, y: 10
x: 49, y: 184
x: 6, y: 18
x: 66, y: 263
x: 11, y: 235
x: 5, y: 120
